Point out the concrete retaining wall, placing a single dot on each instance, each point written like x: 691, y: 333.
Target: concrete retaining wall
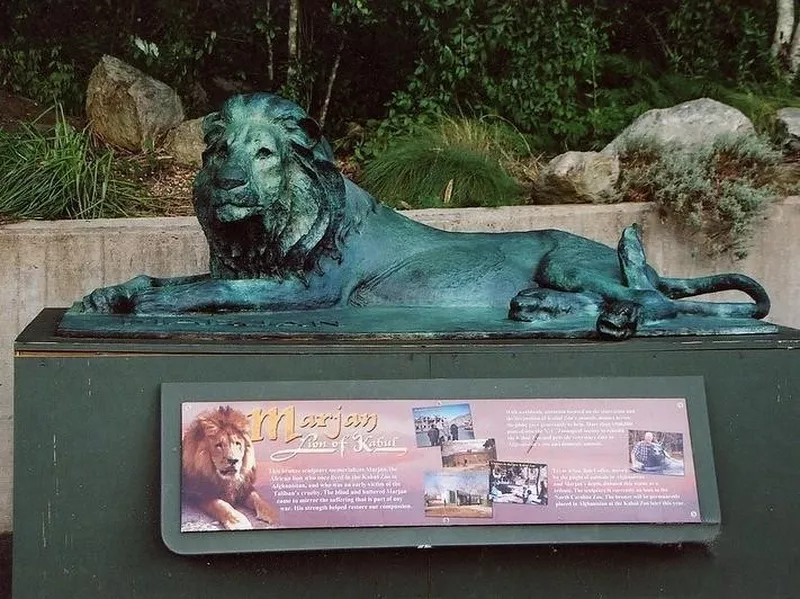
x: 51, y: 264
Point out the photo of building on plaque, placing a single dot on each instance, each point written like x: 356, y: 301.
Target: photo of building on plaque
x: 654, y: 452
x: 517, y: 482
x: 474, y: 454
x: 435, y: 425
x: 457, y: 495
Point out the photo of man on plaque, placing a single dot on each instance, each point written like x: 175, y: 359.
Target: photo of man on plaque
x: 656, y: 452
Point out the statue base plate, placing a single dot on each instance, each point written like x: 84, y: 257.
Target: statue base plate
x: 379, y: 324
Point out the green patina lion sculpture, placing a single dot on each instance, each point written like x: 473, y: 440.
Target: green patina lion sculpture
x: 286, y: 231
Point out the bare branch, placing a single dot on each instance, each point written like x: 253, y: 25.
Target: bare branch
x: 331, y: 79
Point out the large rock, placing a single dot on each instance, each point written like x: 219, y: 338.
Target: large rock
x: 185, y: 143
x: 686, y: 125
x: 577, y: 177
x: 127, y: 108
x: 788, y: 128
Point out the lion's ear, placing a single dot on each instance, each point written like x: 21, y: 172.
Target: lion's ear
x: 316, y: 142
x: 213, y: 127
x: 312, y: 130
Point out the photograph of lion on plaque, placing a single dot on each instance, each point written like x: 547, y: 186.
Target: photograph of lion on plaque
x: 518, y: 482
x: 457, y: 495
x: 218, y: 475
x: 435, y: 425
x: 473, y: 454
x: 653, y: 452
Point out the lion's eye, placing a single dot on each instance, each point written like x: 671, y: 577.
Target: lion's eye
x: 219, y: 446
x: 263, y: 153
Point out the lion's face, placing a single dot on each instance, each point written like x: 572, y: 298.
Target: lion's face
x: 217, y: 447
x: 245, y: 165
x: 227, y: 452
x: 269, y: 196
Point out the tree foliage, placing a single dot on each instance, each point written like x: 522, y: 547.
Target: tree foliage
x: 534, y: 63
x: 568, y: 72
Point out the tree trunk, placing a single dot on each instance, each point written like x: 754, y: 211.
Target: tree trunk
x: 783, y: 26
x: 270, y: 54
x: 324, y: 112
x: 794, y: 50
x: 294, y: 22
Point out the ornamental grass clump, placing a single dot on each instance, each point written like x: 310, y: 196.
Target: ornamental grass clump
x: 53, y: 173
x: 457, y: 163
x: 716, y: 192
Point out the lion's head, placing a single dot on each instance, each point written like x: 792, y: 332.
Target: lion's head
x: 217, y: 450
x: 269, y: 196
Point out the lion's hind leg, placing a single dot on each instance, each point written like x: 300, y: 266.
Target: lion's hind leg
x: 620, y: 293
x: 639, y: 298
x: 539, y: 304
x: 633, y: 262
x: 615, y: 319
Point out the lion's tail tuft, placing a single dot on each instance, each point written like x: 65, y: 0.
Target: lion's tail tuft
x: 680, y: 288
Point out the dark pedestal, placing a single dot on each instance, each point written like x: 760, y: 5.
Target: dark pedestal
x: 87, y: 460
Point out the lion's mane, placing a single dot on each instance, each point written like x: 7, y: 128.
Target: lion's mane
x: 296, y: 227
x: 199, y: 475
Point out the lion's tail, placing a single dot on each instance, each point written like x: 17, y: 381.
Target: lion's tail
x: 679, y: 288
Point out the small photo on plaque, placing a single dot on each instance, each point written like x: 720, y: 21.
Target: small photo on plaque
x: 656, y: 452
x: 518, y: 482
x: 435, y: 425
x: 457, y: 495
x: 469, y: 455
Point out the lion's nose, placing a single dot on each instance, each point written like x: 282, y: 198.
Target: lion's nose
x: 230, y: 178
x: 233, y: 461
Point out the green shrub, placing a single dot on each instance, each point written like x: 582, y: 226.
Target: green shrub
x: 716, y: 191
x: 41, y: 75
x: 459, y: 162
x: 56, y: 173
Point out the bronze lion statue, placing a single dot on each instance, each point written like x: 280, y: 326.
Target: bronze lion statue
x: 286, y: 231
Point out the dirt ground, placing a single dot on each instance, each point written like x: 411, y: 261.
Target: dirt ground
x: 14, y: 109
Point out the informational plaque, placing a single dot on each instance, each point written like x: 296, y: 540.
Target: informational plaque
x: 272, y: 466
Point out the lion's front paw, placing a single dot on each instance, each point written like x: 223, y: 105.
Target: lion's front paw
x: 235, y: 520
x: 116, y: 299
x: 618, y: 320
x: 266, y: 512
x: 108, y: 300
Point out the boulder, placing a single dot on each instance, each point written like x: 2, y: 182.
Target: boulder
x: 185, y: 143
x: 686, y: 125
x: 577, y: 177
x: 788, y: 129
x: 127, y: 108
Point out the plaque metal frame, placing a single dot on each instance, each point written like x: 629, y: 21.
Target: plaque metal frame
x: 175, y: 394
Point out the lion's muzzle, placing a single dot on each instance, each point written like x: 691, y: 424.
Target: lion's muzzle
x: 230, y: 177
x: 229, y: 471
